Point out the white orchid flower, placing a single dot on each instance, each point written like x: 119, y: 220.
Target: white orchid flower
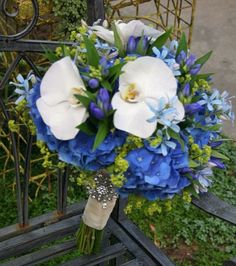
x: 57, y: 105
x: 134, y: 28
x: 143, y: 82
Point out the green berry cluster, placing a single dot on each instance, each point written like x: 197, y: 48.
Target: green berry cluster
x: 202, y: 156
x: 187, y: 196
x: 96, y: 72
x: 13, y: 127
x: 154, y: 142
x: 46, y: 155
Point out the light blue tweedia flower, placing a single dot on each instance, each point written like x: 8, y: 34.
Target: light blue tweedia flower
x: 165, y: 143
x: 23, y: 87
x: 168, y: 57
x: 226, y: 106
x: 203, y: 180
x: 210, y: 100
x: 164, y: 113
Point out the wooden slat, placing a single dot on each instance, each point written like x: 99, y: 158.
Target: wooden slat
x: 134, y: 262
x: 26, y: 242
x: 144, y: 243
x: 131, y: 245
x: 40, y: 221
x: 217, y: 207
x: 105, y: 255
x: 43, y: 255
x: 231, y: 262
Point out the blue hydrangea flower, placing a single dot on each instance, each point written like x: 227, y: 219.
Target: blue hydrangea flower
x: 155, y: 176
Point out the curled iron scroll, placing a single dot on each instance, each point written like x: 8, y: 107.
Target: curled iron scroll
x: 29, y: 27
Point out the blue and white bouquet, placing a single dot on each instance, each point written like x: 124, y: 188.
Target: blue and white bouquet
x: 133, y: 106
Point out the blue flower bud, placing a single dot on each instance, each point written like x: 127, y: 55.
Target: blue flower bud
x: 93, y: 83
x: 190, y: 61
x: 186, y: 89
x: 181, y: 57
x: 103, y: 99
x: 192, y: 108
x: 96, y: 111
x: 145, y: 43
x: 131, y: 46
x: 103, y: 62
x: 195, y: 69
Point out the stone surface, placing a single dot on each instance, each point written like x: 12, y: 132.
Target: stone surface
x: 215, y: 29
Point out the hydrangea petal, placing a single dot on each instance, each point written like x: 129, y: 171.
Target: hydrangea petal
x: 132, y: 117
x: 62, y: 118
x: 59, y: 80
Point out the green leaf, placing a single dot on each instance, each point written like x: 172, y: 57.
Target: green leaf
x: 193, y: 164
x: 192, y: 191
x: 202, y: 60
x: 140, y: 49
x: 49, y: 54
x: 91, y: 96
x: 86, y: 128
x: 177, y: 137
x: 103, y: 130
x: 92, y: 54
x: 115, y: 69
x: 219, y: 155
x: 84, y: 100
x: 106, y: 84
x: 118, y: 41
x: 160, y: 41
x: 183, y: 45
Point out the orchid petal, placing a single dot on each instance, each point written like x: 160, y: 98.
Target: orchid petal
x: 62, y: 118
x: 132, y: 117
x: 155, y: 79
x: 59, y: 80
x: 103, y: 33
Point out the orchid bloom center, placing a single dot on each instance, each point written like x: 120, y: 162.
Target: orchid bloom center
x: 131, y: 94
x: 72, y: 99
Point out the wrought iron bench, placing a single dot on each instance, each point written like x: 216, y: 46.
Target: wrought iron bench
x: 123, y: 243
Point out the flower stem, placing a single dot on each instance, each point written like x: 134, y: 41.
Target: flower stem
x: 88, y: 239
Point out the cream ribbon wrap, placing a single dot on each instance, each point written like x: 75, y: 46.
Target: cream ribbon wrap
x: 95, y: 215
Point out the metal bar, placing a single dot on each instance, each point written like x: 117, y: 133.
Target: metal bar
x: 16, y: 165
x: 30, y: 45
x: 10, y: 70
x: 26, y: 180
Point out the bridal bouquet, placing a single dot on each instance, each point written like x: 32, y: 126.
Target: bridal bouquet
x: 131, y: 108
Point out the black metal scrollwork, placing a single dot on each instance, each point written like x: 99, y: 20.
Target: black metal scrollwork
x: 29, y: 27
